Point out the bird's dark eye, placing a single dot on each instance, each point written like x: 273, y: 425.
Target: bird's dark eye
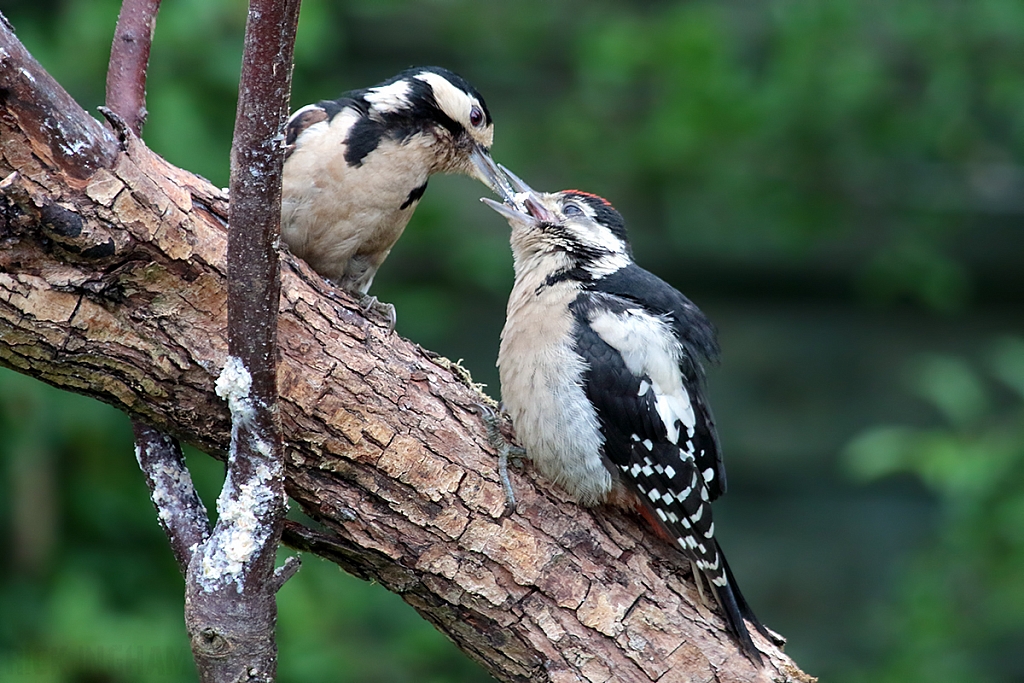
x: 572, y: 210
x: 476, y: 116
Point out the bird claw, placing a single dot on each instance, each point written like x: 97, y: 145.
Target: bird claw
x: 516, y: 454
x: 369, y: 302
x: 506, y: 451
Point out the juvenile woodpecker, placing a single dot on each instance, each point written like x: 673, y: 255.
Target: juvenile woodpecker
x: 356, y: 167
x: 601, y: 372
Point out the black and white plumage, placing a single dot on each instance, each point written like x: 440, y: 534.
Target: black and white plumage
x: 601, y: 372
x: 356, y: 167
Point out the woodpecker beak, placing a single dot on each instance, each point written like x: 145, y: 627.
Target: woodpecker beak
x: 528, y: 199
x: 489, y: 173
x: 517, y: 183
x: 523, y: 204
x: 537, y: 210
x: 509, y: 213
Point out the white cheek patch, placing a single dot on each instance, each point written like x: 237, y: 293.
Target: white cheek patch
x: 592, y: 233
x: 389, y: 98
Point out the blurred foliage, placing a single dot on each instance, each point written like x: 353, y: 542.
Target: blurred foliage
x: 731, y: 132
x: 788, y: 164
x: 958, y: 614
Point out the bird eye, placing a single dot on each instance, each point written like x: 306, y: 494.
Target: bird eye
x: 572, y: 210
x: 476, y: 116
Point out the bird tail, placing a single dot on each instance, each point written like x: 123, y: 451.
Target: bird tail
x: 737, y: 612
x: 730, y: 599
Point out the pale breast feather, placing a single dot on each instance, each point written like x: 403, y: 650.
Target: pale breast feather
x: 542, y: 390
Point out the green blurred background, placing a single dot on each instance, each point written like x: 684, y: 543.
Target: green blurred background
x: 839, y: 185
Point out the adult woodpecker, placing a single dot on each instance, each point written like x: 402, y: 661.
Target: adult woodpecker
x: 601, y: 372
x: 356, y: 167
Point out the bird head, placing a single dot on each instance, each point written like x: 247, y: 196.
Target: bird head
x: 581, y: 227
x: 439, y: 102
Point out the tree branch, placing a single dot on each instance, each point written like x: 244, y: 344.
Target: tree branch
x: 179, y: 509
x: 180, y: 512
x: 129, y: 59
x: 231, y: 586
x: 112, y: 284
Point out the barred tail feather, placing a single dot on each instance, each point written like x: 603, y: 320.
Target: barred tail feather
x: 730, y: 599
x: 744, y: 607
x: 715, y: 569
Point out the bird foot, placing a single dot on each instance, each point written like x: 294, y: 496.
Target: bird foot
x: 506, y: 452
x: 369, y: 302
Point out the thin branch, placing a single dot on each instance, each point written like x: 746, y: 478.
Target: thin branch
x: 257, y: 156
x: 129, y: 60
x: 285, y: 572
x: 179, y: 509
x: 249, y: 380
x: 180, y: 512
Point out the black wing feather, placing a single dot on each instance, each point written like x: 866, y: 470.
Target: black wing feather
x: 666, y: 477
x: 636, y: 441
x: 634, y: 285
x: 689, y: 323
x: 612, y: 388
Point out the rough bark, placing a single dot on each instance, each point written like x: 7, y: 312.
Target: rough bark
x: 112, y: 284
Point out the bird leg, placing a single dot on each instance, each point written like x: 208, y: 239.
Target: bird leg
x: 505, y: 450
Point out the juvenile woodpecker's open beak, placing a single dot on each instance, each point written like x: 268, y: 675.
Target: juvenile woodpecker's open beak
x: 490, y: 174
x: 527, y: 198
x: 510, y: 213
x: 523, y: 204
